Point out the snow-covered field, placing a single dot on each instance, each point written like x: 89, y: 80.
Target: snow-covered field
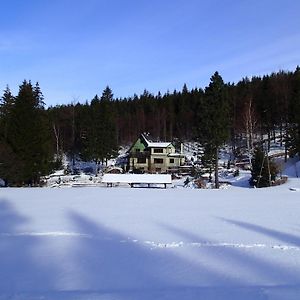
x: 121, y: 243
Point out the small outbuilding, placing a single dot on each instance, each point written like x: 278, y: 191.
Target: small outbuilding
x: 138, y: 180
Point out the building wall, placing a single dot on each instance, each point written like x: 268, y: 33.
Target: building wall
x: 135, y: 165
x: 157, y: 159
x: 137, y: 148
x: 165, y: 151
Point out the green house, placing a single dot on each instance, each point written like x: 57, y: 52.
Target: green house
x: 154, y: 157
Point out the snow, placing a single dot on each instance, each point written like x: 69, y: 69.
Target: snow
x: 2, y: 183
x: 118, y: 243
x: 292, y: 167
x: 136, y: 178
x: 155, y: 144
x: 158, y: 144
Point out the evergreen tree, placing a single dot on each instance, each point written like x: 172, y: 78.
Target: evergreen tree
x: 293, y: 139
x: 208, y: 160
x: 263, y: 171
x: 107, y: 129
x: 100, y: 140
x: 91, y: 127
x: 213, y: 129
x: 9, y: 161
x: 94, y: 130
x: 6, y: 106
x: 29, y: 135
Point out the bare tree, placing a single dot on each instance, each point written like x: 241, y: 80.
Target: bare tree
x: 57, y: 138
x: 250, y: 125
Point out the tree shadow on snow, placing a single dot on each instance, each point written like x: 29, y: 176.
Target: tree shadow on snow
x: 20, y: 268
x: 113, y: 264
x: 248, y: 269
x: 278, y: 235
x: 101, y: 263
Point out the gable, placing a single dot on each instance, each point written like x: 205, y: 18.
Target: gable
x: 139, y: 145
x: 143, y: 143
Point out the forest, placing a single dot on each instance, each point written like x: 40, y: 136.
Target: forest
x: 33, y: 138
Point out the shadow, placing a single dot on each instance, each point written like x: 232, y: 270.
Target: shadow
x: 117, y: 265
x: 244, y: 267
x: 242, y: 182
x: 275, y: 234
x: 10, y: 220
x: 110, y: 260
x: 97, y: 262
x: 114, y: 263
x: 20, y: 266
x: 114, y: 258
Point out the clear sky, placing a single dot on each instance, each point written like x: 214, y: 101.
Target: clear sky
x: 74, y: 48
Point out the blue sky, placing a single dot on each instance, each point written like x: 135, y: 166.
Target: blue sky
x: 74, y: 48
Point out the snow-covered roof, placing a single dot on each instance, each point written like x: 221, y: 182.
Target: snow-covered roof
x: 176, y: 155
x: 156, y: 144
x: 136, y: 178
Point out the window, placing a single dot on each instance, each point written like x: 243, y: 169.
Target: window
x: 158, y: 150
x: 171, y: 160
x: 141, y: 160
x: 158, y: 161
x: 137, y: 150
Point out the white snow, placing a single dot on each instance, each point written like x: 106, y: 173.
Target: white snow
x: 136, y: 178
x: 292, y: 167
x: 118, y: 243
x: 158, y: 144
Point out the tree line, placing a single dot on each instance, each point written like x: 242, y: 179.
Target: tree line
x: 33, y: 138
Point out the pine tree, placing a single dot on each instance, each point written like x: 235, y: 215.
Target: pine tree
x: 100, y: 141
x: 29, y: 135
x: 107, y: 134
x: 293, y: 139
x: 213, y: 128
x: 208, y: 160
x: 6, y: 106
x: 9, y: 162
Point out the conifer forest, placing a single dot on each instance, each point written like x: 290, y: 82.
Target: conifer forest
x: 34, y: 137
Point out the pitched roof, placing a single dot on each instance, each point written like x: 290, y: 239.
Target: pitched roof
x: 156, y: 144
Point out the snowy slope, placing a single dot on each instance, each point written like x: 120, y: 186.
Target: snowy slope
x: 117, y: 243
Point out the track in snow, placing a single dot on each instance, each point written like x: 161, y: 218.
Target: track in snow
x: 151, y: 244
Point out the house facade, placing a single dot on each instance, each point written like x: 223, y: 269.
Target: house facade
x: 154, y: 157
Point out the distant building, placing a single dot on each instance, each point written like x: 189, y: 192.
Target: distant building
x: 154, y: 157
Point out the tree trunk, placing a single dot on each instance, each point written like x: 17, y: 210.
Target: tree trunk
x: 217, y: 184
x: 56, y: 133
